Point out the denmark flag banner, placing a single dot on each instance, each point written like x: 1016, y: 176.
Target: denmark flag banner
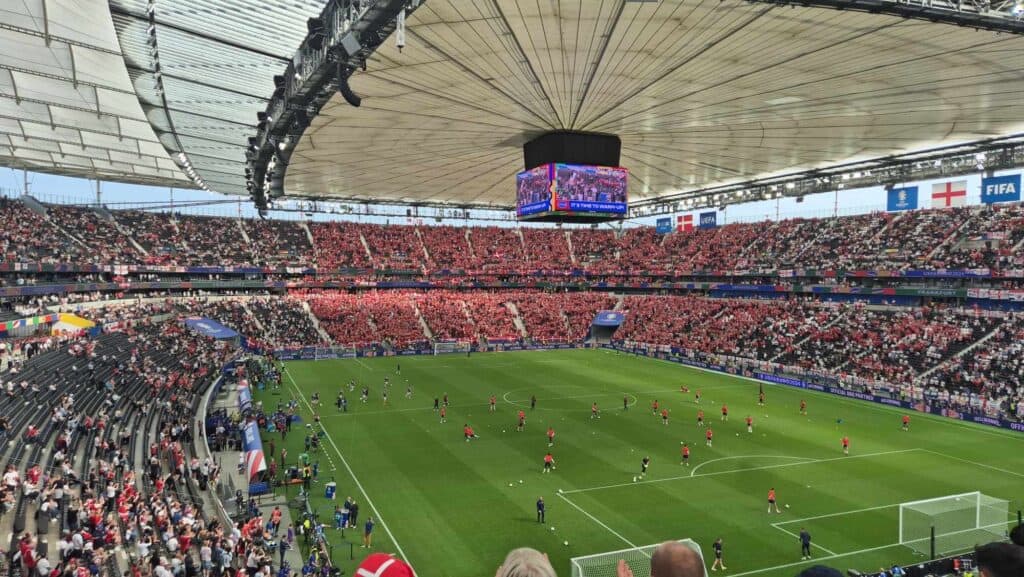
x: 949, y: 194
x: 684, y: 223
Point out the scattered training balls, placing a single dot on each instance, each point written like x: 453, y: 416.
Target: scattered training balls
x: 552, y: 528
x: 511, y: 485
x: 520, y: 481
x: 566, y: 543
x: 737, y: 434
x: 787, y: 505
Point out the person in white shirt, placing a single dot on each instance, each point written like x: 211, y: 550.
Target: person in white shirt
x: 43, y: 566
x: 11, y: 478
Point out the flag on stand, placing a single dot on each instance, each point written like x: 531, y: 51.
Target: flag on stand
x: 949, y: 194
x: 684, y: 223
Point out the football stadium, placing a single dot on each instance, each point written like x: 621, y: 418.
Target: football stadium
x: 447, y: 288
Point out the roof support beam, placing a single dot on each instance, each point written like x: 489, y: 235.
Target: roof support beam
x: 969, y: 13
x: 46, y: 23
x: 14, y: 87
x: 38, y: 34
x: 73, y: 80
x: 96, y: 94
x: 146, y: 18
x: 74, y: 68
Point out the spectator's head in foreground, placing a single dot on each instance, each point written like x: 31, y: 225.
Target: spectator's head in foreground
x: 526, y: 562
x: 1000, y: 560
x: 819, y: 571
x: 673, y: 559
x: 384, y: 565
x: 1017, y: 535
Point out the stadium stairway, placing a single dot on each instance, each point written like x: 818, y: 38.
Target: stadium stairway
x: 469, y: 242
x: 255, y: 319
x: 366, y: 247
x: 423, y: 245
x: 309, y: 233
x: 241, y: 230
x: 975, y: 344
x: 517, y: 320
x: 423, y: 322
x: 798, y: 344
x: 324, y: 335
x: 34, y: 205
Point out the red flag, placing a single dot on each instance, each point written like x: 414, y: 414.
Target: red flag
x: 684, y: 223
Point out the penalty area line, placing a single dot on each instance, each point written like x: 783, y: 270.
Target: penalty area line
x: 794, y: 535
x: 745, y: 470
x: 599, y: 522
x: 815, y: 560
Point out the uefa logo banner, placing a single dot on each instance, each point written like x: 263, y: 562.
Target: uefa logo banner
x: 904, y: 198
x: 708, y: 219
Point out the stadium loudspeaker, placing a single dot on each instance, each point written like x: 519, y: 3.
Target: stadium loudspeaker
x: 350, y: 44
x: 346, y: 93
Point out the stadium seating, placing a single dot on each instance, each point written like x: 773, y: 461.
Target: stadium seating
x: 278, y: 242
x: 105, y: 242
x: 214, y: 241
x: 156, y: 233
x: 448, y: 247
x: 971, y: 237
x: 26, y: 236
x: 446, y: 314
x: 497, y: 249
x: 339, y: 245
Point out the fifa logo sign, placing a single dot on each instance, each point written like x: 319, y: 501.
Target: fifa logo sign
x: 1000, y: 189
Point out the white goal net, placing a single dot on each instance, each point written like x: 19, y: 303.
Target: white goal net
x: 441, y: 348
x: 638, y: 559
x: 960, y: 522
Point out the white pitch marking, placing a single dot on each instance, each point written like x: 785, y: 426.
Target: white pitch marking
x: 843, y: 458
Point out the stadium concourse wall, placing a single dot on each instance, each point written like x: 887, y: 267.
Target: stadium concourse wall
x: 899, y: 296
x: 822, y: 384
x: 324, y: 353
x: 124, y: 269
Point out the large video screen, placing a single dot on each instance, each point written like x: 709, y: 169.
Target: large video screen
x: 533, y: 190
x: 585, y: 188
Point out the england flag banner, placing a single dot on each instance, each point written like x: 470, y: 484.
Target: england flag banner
x: 949, y: 194
x: 904, y: 198
x: 1000, y: 189
x: 253, y: 447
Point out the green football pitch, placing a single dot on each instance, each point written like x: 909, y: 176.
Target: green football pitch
x: 454, y: 508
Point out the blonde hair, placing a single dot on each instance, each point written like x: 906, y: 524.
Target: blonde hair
x: 526, y: 562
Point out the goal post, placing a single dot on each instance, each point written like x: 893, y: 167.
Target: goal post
x: 955, y: 522
x: 447, y: 347
x: 638, y: 559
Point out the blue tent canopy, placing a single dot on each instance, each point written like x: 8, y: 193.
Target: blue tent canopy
x: 210, y: 328
x: 608, y: 319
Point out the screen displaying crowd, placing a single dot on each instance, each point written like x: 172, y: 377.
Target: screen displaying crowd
x: 591, y: 183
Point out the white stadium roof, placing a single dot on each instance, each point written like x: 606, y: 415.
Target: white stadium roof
x: 67, y: 104
x: 702, y: 92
